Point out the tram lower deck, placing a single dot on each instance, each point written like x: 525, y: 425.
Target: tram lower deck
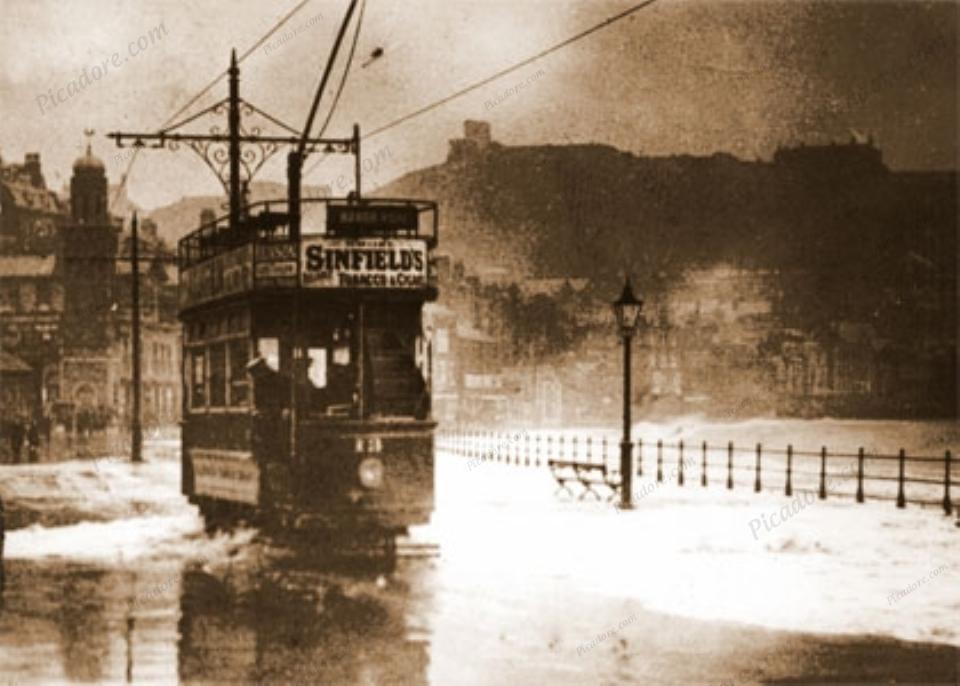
x: 350, y: 475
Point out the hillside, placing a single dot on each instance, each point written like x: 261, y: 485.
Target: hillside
x: 835, y: 213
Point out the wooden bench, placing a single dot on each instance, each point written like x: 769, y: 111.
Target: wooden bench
x: 589, y: 475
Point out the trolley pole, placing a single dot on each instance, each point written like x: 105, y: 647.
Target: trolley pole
x: 136, y: 430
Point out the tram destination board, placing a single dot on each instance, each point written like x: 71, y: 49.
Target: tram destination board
x: 367, y: 219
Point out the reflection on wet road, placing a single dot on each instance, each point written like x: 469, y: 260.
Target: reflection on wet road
x: 240, y: 620
x: 526, y: 590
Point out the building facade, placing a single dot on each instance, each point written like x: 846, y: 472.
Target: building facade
x: 65, y: 309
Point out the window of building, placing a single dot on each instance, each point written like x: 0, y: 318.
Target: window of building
x: 43, y: 296
x: 6, y: 299
x: 442, y: 342
x: 28, y: 297
x: 56, y: 298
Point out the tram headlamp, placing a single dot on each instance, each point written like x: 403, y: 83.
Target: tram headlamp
x: 371, y: 472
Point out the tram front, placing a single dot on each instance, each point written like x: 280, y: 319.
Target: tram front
x: 332, y: 367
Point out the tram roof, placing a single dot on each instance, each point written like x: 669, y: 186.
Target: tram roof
x: 267, y: 222
x: 346, y: 248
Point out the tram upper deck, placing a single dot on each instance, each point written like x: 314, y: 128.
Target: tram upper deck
x: 343, y: 246
x: 334, y: 309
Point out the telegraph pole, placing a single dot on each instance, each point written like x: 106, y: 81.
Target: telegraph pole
x: 136, y: 430
x: 235, y: 156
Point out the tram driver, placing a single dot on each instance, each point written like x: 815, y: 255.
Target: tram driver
x: 271, y: 389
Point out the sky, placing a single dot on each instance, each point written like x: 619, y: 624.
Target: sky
x: 679, y: 77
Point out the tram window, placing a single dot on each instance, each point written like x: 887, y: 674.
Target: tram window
x: 218, y: 374
x: 394, y: 383
x: 197, y: 378
x: 239, y: 382
x: 269, y: 350
x: 341, y: 347
x: 317, y: 370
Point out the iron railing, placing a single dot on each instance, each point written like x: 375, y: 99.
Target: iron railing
x: 924, y: 480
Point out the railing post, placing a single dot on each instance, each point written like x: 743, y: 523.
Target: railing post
x: 860, y: 475
x: 659, y: 460
x: 560, y: 444
x: 537, y: 455
x: 574, y: 450
x: 823, y: 472
x: 901, y: 495
x: 589, y: 449
x: 788, y: 489
x: 756, y: 481
x: 550, y: 455
x: 680, y: 463
x: 603, y: 450
x: 526, y: 448
x: 703, y: 467
x: 730, y: 465
x: 947, y: 505
x: 640, y: 457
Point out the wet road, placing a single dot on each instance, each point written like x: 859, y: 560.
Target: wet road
x: 523, y: 593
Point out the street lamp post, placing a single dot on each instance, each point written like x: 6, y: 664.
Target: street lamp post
x: 627, y: 310
x: 136, y: 428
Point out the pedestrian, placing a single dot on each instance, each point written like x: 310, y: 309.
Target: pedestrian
x: 33, y: 441
x: 2, y: 534
x: 16, y: 439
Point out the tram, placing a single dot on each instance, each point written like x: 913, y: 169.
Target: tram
x: 306, y: 369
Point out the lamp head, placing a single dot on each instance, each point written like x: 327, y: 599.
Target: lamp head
x: 627, y: 309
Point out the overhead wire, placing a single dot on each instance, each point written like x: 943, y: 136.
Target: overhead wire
x: 508, y: 70
x: 416, y: 113
x: 206, y: 89
x: 343, y: 82
x: 346, y: 71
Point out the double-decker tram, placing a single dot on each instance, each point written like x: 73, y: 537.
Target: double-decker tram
x: 306, y: 379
